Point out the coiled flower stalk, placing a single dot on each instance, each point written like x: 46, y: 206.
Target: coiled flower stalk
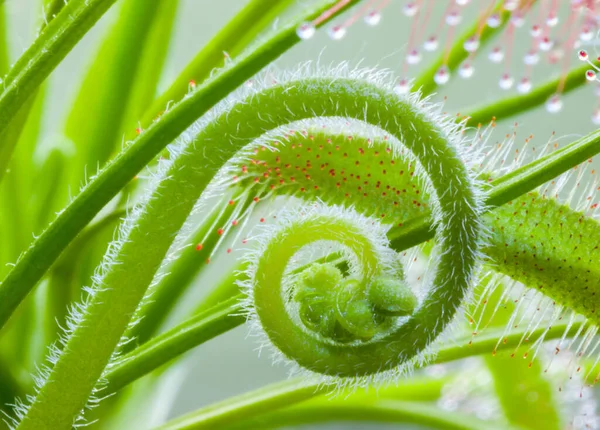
x: 320, y: 318
x: 430, y: 146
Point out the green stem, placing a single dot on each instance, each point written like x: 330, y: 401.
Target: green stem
x: 453, y: 58
x: 279, y: 395
x: 511, y: 106
x: 49, y: 245
x: 232, y: 39
x: 380, y: 411
x: 508, y: 187
x: 96, y: 117
x: 250, y: 404
x: 224, y: 316
x: 164, y: 296
x: 171, y: 344
x: 48, y: 50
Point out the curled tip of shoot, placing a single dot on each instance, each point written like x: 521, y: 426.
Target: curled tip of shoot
x: 343, y: 310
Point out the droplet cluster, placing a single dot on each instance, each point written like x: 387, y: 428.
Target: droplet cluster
x: 533, y: 37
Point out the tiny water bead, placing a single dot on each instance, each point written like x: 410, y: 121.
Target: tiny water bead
x: 524, y: 85
x: 413, y: 57
x: 554, y: 104
x: 506, y: 82
x: 466, y: 70
x: 373, y: 17
x: 410, y: 9
x: 306, y: 30
x: 337, y: 32
x: 442, y: 76
x: 591, y: 74
x: 431, y: 44
x: 496, y: 55
x: 550, y: 29
x: 471, y: 44
x: 402, y: 87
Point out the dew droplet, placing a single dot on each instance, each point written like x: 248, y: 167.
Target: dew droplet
x: 442, y: 76
x: 556, y: 55
x: 536, y: 31
x: 590, y: 75
x: 402, y: 87
x: 413, y: 57
x: 586, y: 34
x: 466, y: 70
x: 506, y: 82
x: 306, y: 30
x: 494, y: 20
x: 471, y: 44
x: 554, y: 104
x: 511, y: 5
x: 583, y: 55
x: 546, y: 44
x: 517, y: 20
x: 531, y: 58
x: 453, y: 19
x: 373, y: 17
x: 431, y: 44
x: 410, y: 9
x: 524, y: 85
x: 552, y: 19
x: 496, y: 55
x: 337, y: 32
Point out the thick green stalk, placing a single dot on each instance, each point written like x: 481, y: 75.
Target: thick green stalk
x: 222, y: 317
x: 96, y: 118
x: 280, y: 395
x: 283, y: 394
x: 356, y: 411
x: 164, y: 296
x: 22, y: 121
x: 174, y: 342
x: 509, y: 187
x: 144, y: 244
x: 250, y: 404
x: 48, y: 50
x: 151, y: 64
x: 230, y: 41
x: 533, y: 388
x: 48, y: 246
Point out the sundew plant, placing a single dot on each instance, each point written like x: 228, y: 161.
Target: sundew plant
x: 393, y: 241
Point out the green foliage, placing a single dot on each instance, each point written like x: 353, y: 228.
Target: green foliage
x: 366, y: 184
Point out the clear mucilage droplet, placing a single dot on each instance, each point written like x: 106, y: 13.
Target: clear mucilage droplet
x: 402, y: 87
x: 496, y: 55
x: 306, y: 30
x: 506, y: 82
x: 373, y: 17
x: 466, y: 70
x: 524, y: 85
x: 554, y: 104
x: 442, y: 76
x: 337, y: 32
